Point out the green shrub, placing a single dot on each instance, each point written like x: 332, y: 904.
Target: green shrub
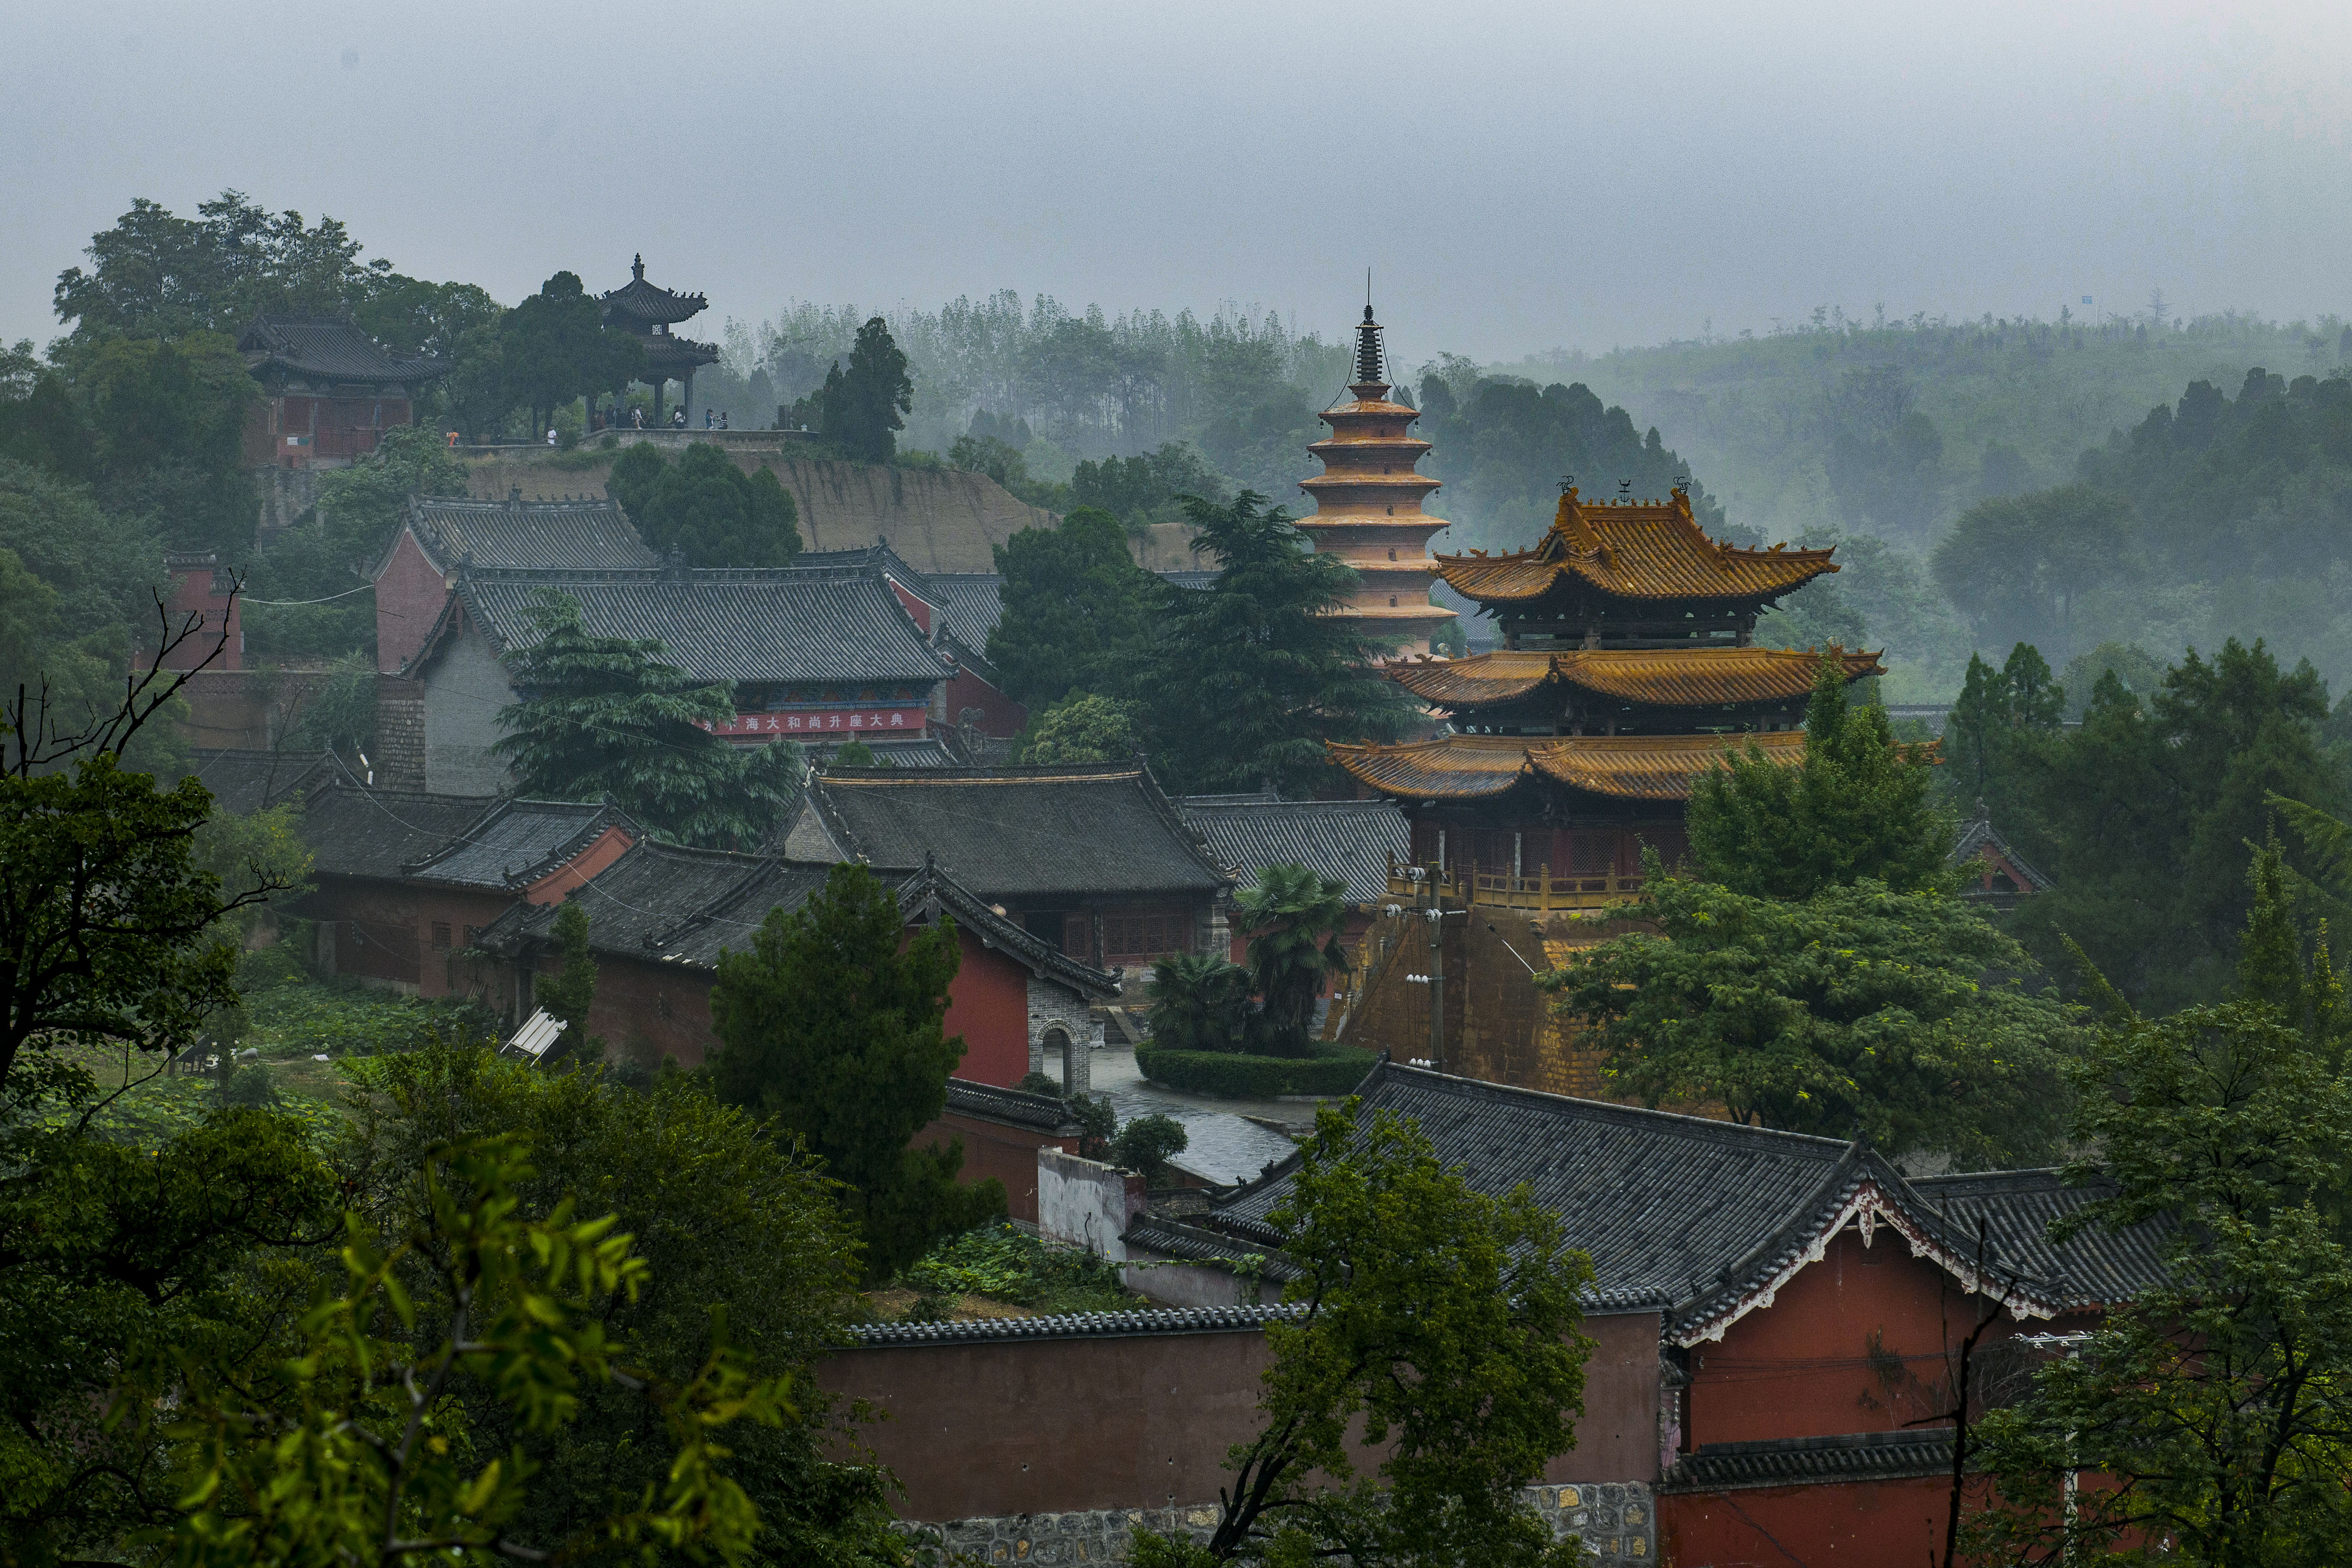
x: 1004, y: 1265
x: 1333, y: 1069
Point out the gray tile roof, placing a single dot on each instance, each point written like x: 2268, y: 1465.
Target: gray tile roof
x: 589, y: 533
x: 970, y: 604
x: 774, y: 624
x: 1794, y: 1461
x: 662, y: 903
x: 244, y: 781
x: 1350, y: 842
x: 357, y: 832
x: 2016, y: 1208
x: 518, y: 841
x: 329, y: 348
x: 1013, y: 1107
x: 1019, y: 832
x: 1073, y: 1326
x: 1698, y: 1218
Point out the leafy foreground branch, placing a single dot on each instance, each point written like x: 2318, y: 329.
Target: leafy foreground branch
x: 1438, y: 1330
x: 357, y: 1451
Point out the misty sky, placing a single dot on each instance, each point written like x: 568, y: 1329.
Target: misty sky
x: 1519, y: 176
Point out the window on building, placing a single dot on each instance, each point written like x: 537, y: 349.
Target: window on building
x: 440, y: 936
x: 1146, y: 935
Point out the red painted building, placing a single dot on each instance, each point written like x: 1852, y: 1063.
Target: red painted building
x: 1090, y: 858
x: 202, y: 598
x: 327, y: 391
x: 416, y: 574
x: 406, y: 884
x: 659, y: 917
x: 1805, y: 1300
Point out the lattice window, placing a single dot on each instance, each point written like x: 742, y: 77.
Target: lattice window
x: 440, y: 936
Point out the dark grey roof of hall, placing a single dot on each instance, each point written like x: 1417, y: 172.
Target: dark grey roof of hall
x: 1350, y: 842
x: 329, y: 348
x: 776, y: 623
x: 640, y: 301
x: 358, y: 832
x: 244, y: 782
x: 2016, y: 1208
x: 666, y: 904
x: 1696, y: 1217
x: 518, y: 841
x: 663, y: 903
x: 1075, y: 1326
x: 589, y: 533
x: 1019, y: 832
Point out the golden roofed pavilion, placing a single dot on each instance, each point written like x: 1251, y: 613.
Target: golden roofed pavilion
x: 1368, y: 502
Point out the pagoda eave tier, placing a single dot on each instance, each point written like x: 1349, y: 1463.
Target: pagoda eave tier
x: 1647, y: 550
x: 671, y: 358
x: 1373, y: 407
x: 1696, y: 677
x: 1389, y: 487
x: 1615, y: 767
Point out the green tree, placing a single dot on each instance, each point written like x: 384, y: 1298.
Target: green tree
x: 723, y: 1214
x: 169, y: 418
x: 832, y: 1029
x: 1857, y: 807
x: 604, y: 716
x: 714, y: 514
x: 2142, y: 816
x: 1859, y: 1011
x: 1469, y: 1387
x: 637, y: 474
x: 340, y: 717
x: 863, y: 407
x: 554, y: 347
x: 2018, y: 567
x: 1078, y: 729
x: 1999, y: 732
x: 2215, y: 1404
x: 571, y: 991
x: 157, y: 275
x: 1249, y: 677
x: 40, y: 422
x: 340, y: 1455
x: 36, y: 647
x: 1200, y: 1002
x: 1077, y: 611
x: 1295, y: 920
x: 1146, y: 1144
x: 479, y: 391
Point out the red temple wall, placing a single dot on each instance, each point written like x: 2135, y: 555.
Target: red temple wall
x: 1000, y: 715
x: 993, y: 1149
x: 409, y: 595
x: 988, y: 1005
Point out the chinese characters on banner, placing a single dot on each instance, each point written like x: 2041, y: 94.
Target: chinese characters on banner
x: 905, y: 720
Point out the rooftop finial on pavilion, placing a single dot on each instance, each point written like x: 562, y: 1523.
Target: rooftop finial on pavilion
x: 638, y: 268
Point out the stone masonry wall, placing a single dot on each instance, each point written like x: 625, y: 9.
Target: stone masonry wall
x: 1616, y: 1521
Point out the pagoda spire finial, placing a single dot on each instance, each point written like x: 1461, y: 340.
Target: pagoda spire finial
x: 637, y: 267
x: 1368, y: 346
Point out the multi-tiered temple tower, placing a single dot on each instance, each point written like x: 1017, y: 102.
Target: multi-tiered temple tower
x: 1368, y: 502
x: 1628, y: 668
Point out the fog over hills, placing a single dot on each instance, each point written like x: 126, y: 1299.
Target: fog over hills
x: 1521, y: 177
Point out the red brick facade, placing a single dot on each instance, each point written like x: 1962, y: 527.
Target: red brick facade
x: 410, y: 592
x: 296, y: 431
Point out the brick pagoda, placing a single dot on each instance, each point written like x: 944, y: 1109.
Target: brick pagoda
x: 1368, y: 502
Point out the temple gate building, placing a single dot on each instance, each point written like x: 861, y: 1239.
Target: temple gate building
x: 1368, y: 502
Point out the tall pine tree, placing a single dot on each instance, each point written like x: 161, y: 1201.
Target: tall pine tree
x: 604, y: 717
x: 1250, y: 676
x: 831, y: 1026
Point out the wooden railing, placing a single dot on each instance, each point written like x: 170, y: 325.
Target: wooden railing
x: 1467, y: 884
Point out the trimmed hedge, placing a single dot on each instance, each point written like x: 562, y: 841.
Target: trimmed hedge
x: 1333, y: 1069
